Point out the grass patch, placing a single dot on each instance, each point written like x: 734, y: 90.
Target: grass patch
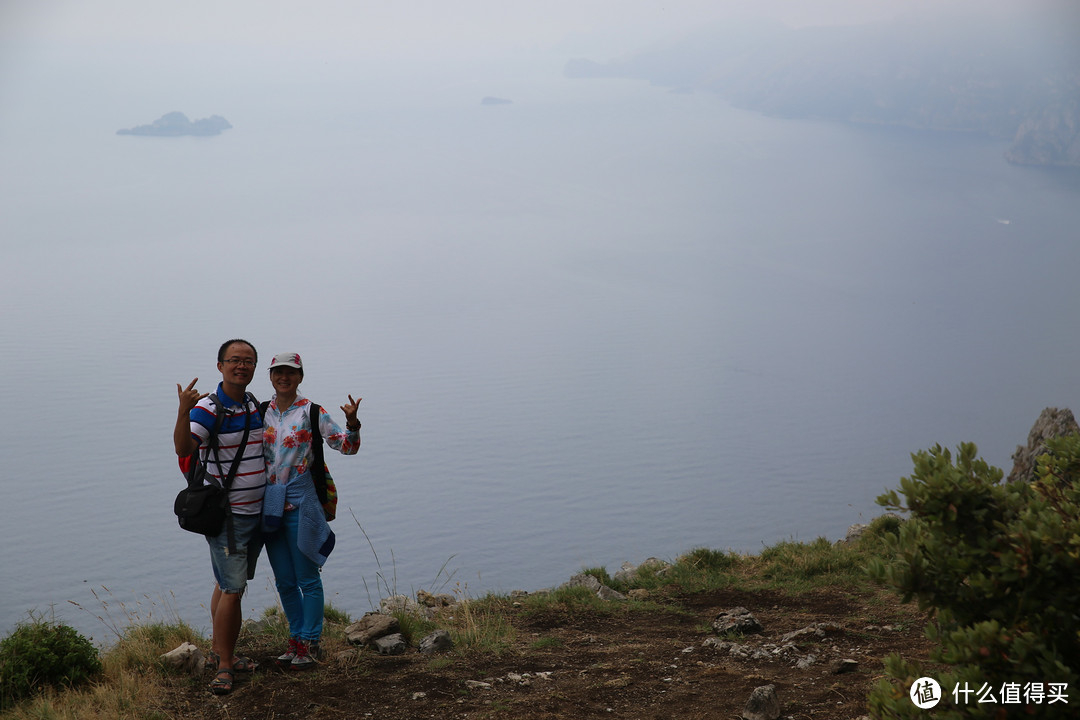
x: 413, y: 627
x: 567, y: 600
x: 133, y: 682
x: 482, y: 625
x: 699, y: 570
x: 795, y: 568
x: 799, y: 568
x: 140, y: 648
x: 546, y: 644
x: 131, y: 679
x: 600, y: 574
x: 334, y: 616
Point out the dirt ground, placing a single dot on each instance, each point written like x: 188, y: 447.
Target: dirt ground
x: 633, y: 664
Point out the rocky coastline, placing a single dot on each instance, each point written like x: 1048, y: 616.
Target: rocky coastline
x: 968, y: 74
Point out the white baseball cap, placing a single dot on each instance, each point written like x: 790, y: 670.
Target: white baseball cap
x: 286, y: 360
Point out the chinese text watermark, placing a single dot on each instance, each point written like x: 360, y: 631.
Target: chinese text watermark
x: 926, y: 693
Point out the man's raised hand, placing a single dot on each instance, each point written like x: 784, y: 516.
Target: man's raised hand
x: 189, y: 396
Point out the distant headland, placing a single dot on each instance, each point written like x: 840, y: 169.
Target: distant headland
x: 176, y: 123
x: 972, y: 73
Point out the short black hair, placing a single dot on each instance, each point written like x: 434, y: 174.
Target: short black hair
x: 227, y: 343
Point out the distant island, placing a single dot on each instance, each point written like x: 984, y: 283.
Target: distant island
x: 176, y: 123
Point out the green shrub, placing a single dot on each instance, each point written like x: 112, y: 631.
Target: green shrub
x: 881, y: 528
x: 998, y: 566
x: 40, y: 654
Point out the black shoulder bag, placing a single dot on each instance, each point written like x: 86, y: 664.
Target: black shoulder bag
x: 204, y: 508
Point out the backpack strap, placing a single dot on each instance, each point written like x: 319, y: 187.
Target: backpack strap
x: 240, y: 450
x: 318, y: 464
x: 212, y: 442
x: 211, y: 445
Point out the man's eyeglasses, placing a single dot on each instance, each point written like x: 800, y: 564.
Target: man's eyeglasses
x: 245, y: 362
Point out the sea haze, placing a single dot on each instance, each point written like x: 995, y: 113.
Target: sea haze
x: 601, y: 323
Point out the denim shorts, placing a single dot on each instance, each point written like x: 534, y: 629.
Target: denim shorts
x: 233, y: 570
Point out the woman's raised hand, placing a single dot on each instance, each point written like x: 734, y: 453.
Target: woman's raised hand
x: 350, y: 409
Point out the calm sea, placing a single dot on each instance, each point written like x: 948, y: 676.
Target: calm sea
x: 599, y: 324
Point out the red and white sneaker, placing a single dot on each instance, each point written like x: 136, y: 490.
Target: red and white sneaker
x: 305, y: 658
x: 287, y: 658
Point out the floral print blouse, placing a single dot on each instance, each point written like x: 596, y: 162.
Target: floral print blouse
x: 287, y: 439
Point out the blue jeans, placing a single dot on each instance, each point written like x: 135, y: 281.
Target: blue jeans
x: 299, y: 584
x: 233, y: 570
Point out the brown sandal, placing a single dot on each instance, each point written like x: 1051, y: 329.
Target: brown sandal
x: 222, y: 685
x: 240, y: 663
x: 244, y: 664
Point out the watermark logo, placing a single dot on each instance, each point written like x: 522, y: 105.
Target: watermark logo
x: 925, y: 693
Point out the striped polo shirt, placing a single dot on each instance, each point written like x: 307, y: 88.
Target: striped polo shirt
x: 245, y: 495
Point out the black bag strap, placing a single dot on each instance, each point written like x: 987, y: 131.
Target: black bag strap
x: 193, y: 479
x: 318, y: 465
x: 240, y: 449
x: 212, y: 443
x: 239, y: 456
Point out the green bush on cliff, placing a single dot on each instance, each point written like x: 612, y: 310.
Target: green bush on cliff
x: 998, y: 566
x: 43, y: 654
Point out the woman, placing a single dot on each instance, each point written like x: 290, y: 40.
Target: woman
x: 298, y: 538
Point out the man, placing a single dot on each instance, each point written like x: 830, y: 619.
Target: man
x: 233, y: 553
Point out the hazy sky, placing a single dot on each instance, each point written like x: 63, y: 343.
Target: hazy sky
x: 148, y: 44
x: 409, y: 27
x: 383, y: 25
